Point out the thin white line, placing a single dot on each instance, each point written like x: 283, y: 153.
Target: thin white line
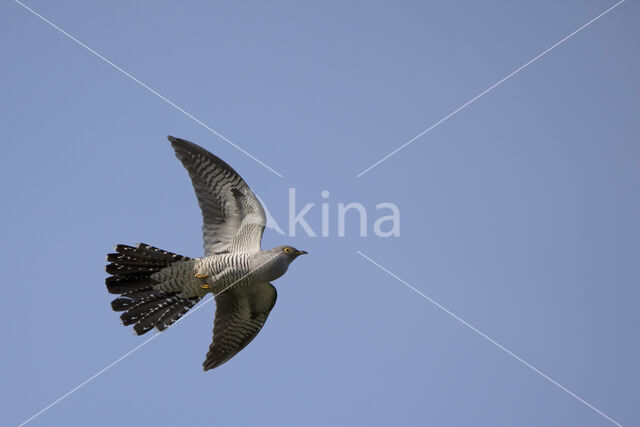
x: 491, y: 340
x: 133, y: 350
x: 79, y: 386
x: 488, y: 90
x: 191, y: 116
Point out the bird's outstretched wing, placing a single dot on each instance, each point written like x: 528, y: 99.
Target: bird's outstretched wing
x: 240, y: 314
x: 233, y: 218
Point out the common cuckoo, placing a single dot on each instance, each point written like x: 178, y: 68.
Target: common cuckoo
x: 157, y: 287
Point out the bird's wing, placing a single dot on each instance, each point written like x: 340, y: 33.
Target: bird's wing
x: 233, y: 218
x: 240, y: 314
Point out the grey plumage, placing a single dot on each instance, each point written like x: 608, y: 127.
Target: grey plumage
x: 233, y: 218
x: 157, y: 287
x: 240, y: 314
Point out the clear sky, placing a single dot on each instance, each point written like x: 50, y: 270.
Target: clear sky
x: 519, y: 213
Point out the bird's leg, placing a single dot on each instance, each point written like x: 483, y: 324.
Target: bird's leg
x: 203, y: 276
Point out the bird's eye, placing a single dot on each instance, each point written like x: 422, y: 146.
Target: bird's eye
x: 286, y: 250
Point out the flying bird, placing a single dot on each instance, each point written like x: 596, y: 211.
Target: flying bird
x: 157, y: 287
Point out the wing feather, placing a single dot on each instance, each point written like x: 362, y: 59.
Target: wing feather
x: 240, y: 315
x: 233, y: 217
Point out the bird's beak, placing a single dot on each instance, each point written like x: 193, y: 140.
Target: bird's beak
x: 301, y: 253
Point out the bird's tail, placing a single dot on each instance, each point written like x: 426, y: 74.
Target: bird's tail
x: 131, y: 269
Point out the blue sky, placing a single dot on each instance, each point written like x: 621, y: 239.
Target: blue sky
x: 519, y: 213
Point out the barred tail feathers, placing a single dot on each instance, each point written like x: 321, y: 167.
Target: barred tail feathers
x: 131, y: 269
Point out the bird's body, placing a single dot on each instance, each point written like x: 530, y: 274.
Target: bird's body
x: 157, y: 287
x: 213, y: 274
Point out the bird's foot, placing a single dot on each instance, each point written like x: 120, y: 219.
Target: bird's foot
x: 205, y: 286
x: 201, y: 275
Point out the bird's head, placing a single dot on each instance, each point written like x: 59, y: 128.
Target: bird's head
x: 289, y: 252
x: 284, y: 255
x: 270, y: 264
